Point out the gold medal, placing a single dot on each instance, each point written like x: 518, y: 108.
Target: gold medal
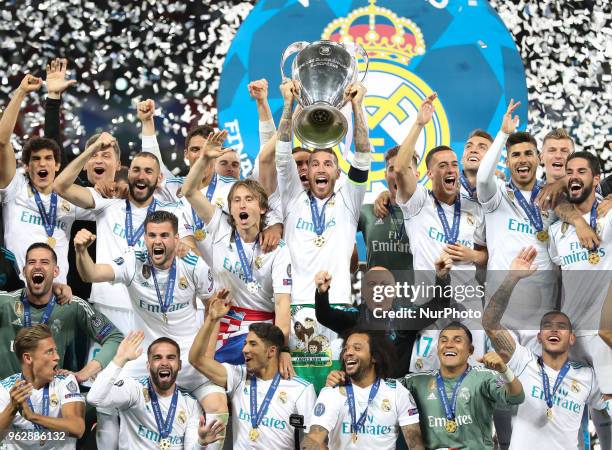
x: 253, y: 434
x: 199, y: 234
x: 450, y: 425
x: 164, y: 444
x: 259, y: 262
x: 542, y: 236
x: 354, y: 437
x: 319, y: 241
x: 549, y: 414
x: 594, y: 257
x: 51, y: 241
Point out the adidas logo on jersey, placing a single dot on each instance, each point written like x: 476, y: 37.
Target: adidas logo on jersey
x: 432, y: 396
x: 379, y: 222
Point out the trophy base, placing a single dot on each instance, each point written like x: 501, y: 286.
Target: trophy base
x: 320, y: 126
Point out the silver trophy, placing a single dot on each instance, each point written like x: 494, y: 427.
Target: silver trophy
x: 323, y: 70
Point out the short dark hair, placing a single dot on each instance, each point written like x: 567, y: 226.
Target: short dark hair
x: 558, y: 133
x: 519, y: 137
x: 458, y: 326
x: 44, y: 245
x: 393, y: 151
x: 27, y: 339
x: 161, y: 217
x: 147, y: 155
x: 433, y: 151
x: 199, y: 130
x: 256, y: 188
x: 164, y: 340
x: 480, y: 133
x: 270, y: 334
x: 555, y: 312
x: 36, y: 144
x: 94, y: 137
x: 591, y: 159
x: 381, y: 349
x: 300, y: 149
x: 122, y: 174
x: 324, y: 150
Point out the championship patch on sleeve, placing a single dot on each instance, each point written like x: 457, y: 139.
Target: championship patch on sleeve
x: 286, y: 281
x: 118, y: 261
x: 319, y: 409
x: 413, y: 411
x: 119, y: 383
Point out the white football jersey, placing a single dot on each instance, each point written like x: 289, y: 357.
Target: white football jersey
x: 341, y: 218
x: 585, y: 279
x: 23, y: 224
x: 294, y: 396
x: 392, y: 408
x: 109, y: 215
x: 63, y: 389
x: 272, y: 271
x: 138, y: 426
x: 426, y: 233
x: 509, y: 230
x: 193, y: 281
x: 531, y: 428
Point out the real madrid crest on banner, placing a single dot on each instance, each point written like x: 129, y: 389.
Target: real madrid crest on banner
x: 414, y: 48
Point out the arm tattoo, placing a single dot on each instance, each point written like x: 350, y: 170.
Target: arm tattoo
x: 284, y: 126
x: 315, y: 437
x: 412, y: 434
x: 362, y: 142
x: 500, y: 337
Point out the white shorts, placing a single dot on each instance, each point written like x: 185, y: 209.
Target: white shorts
x: 592, y: 350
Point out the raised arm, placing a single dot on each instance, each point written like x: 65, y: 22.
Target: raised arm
x: 406, y: 179
x: 485, y: 178
x: 258, y: 90
x: 64, y: 183
x: 332, y: 318
x: 56, y: 84
x: 8, y: 164
x: 191, y: 186
x: 522, y: 266
x: 104, y: 392
x: 218, y: 306
x: 89, y: 271
x: 146, y: 113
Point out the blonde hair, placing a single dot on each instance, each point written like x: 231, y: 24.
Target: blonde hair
x: 27, y: 338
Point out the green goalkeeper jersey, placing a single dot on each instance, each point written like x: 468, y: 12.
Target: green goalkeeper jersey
x: 478, y: 395
x: 64, y: 322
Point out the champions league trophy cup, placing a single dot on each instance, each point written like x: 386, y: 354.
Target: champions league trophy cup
x: 323, y: 71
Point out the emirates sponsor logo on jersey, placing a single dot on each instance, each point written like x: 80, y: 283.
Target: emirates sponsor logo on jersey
x: 440, y: 422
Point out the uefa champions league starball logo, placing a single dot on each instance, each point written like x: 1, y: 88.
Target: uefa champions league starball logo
x: 459, y: 49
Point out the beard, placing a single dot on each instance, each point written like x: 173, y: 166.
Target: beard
x: 148, y: 193
x: 165, y: 384
x: 586, y: 191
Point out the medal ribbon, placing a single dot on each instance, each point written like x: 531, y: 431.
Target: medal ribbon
x: 27, y: 315
x: 48, y: 220
x: 45, y: 404
x: 449, y: 408
x: 451, y: 234
x: 466, y: 185
x: 169, y: 294
x: 357, y: 424
x: 532, y: 211
x: 548, y: 396
x: 593, y: 220
x: 244, y: 263
x: 318, y: 220
x: 402, y: 229
x: 257, y: 416
x: 164, y: 427
x: 199, y: 223
x: 132, y: 236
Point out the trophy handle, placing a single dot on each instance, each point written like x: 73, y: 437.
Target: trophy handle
x: 293, y: 48
x: 361, y: 51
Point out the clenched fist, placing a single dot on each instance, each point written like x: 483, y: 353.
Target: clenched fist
x: 83, y: 239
